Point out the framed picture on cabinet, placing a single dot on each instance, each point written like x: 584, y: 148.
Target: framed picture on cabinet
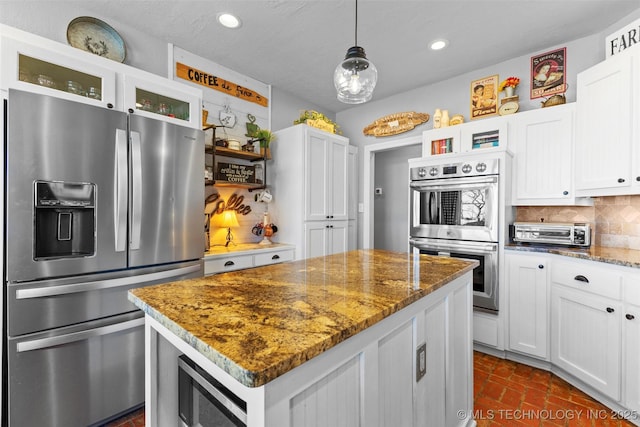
x: 484, y: 95
x: 548, y: 73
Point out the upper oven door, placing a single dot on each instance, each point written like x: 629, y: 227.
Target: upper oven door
x: 455, y: 208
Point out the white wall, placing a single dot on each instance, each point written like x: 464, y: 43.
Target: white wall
x: 51, y: 18
x: 453, y: 94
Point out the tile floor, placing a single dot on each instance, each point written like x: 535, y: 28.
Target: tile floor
x: 509, y: 394
x: 512, y: 394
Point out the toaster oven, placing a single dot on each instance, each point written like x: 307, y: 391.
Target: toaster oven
x: 563, y: 234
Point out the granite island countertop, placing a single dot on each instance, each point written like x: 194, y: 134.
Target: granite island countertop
x: 618, y: 256
x: 260, y: 323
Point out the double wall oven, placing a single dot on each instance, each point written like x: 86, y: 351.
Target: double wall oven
x: 454, y: 211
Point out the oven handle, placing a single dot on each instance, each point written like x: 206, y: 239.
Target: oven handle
x: 471, y: 247
x: 454, y: 184
x: 432, y: 205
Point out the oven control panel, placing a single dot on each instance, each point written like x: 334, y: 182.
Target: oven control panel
x: 456, y: 170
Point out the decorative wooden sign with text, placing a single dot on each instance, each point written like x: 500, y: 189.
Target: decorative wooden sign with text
x: 396, y: 123
x: 214, y: 82
x: 237, y: 174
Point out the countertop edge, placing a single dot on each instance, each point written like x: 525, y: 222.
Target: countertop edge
x: 602, y: 254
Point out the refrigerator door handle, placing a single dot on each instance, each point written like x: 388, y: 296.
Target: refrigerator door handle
x: 136, y: 205
x: 49, y: 291
x: 120, y: 193
x: 40, y: 344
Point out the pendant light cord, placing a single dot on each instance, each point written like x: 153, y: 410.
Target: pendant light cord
x: 356, y: 37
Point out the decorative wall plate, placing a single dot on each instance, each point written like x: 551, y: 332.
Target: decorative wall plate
x: 95, y: 36
x: 396, y: 123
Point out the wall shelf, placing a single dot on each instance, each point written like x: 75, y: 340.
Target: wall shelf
x: 214, y: 151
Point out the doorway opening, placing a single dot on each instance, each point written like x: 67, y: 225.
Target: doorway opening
x: 386, y: 193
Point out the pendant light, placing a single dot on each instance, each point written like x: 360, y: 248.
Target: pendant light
x: 355, y: 77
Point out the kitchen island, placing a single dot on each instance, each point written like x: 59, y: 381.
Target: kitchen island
x: 368, y: 337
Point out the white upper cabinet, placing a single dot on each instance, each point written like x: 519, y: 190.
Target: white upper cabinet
x: 544, y: 147
x: 34, y: 64
x: 164, y: 100
x: 607, y: 152
x: 70, y: 75
x: 480, y: 136
x: 326, y: 161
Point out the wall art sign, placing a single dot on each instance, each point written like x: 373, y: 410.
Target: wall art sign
x: 548, y: 73
x: 214, y: 82
x: 235, y: 203
x: 237, y: 174
x: 484, y: 95
x: 622, y: 39
x: 396, y: 123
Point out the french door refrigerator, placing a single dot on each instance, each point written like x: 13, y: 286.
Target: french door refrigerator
x: 96, y: 202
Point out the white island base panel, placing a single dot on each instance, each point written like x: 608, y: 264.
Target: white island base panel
x: 368, y: 380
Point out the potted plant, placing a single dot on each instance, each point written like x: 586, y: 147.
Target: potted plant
x: 265, y: 137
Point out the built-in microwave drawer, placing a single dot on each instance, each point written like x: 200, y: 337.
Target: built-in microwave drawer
x: 598, y: 280
x: 273, y: 257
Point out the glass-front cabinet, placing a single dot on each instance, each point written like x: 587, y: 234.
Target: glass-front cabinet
x: 31, y: 68
x: 162, y: 101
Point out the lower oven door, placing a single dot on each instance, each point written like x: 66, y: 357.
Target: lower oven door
x: 485, y: 276
x: 78, y: 375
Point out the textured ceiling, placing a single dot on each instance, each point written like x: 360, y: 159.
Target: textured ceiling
x: 296, y: 45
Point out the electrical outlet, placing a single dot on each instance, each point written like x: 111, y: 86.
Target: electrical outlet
x: 421, y: 361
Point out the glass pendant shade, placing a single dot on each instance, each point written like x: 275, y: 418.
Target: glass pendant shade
x: 355, y: 77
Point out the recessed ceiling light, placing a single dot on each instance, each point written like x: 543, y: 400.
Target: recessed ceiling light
x: 228, y: 20
x: 438, y: 44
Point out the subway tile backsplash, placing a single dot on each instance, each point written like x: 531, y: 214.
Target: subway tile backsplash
x: 615, y: 219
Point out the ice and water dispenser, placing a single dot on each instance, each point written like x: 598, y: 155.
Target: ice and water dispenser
x: 65, y: 219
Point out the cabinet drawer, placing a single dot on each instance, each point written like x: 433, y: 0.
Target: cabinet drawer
x: 598, y: 280
x: 273, y: 257
x: 227, y: 264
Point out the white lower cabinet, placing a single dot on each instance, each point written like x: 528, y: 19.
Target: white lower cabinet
x: 631, y: 358
x: 528, y: 280
x: 592, y: 322
x: 326, y: 237
x: 585, y: 336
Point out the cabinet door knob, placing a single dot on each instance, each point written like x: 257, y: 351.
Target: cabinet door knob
x: 565, y: 193
x: 109, y: 105
x: 620, y: 180
x: 275, y: 257
x: 229, y: 263
x: 131, y: 111
x: 540, y: 266
x: 630, y: 316
x: 637, y: 178
x: 581, y: 278
x: 610, y: 310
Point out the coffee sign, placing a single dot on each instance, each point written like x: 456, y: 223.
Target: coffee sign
x: 237, y: 174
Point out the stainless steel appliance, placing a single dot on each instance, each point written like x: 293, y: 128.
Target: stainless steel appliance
x: 563, y: 234
x: 455, y: 200
x: 204, y: 402
x: 454, y: 211
x: 97, y: 202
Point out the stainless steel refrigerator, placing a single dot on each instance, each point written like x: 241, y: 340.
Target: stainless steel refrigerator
x: 96, y: 202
